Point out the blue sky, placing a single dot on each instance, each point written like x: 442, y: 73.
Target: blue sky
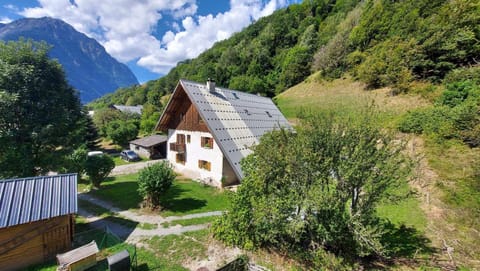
x: 150, y: 36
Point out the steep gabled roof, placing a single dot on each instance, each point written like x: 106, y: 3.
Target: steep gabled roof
x: 31, y: 199
x: 237, y: 120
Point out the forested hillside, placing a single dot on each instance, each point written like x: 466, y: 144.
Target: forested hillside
x: 380, y: 42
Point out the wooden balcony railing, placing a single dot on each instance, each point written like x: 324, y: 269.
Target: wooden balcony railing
x: 177, y: 147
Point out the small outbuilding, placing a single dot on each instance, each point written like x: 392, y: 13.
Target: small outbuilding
x: 36, y: 219
x: 129, y: 109
x: 151, y: 147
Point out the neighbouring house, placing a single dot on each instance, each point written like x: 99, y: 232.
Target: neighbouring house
x: 210, y: 129
x: 36, y: 219
x: 151, y: 147
x: 137, y: 109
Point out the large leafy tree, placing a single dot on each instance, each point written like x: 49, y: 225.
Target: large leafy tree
x: 121, y: 132
x: 316, y: 189
x: 40, y: 112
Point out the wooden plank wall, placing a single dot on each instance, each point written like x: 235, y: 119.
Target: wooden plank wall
x: 184, y: 115
x: 38, y: 249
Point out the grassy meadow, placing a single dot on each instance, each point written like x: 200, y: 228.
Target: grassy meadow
x: 344, y: 96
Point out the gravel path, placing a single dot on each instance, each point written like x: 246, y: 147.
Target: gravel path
x: 135, y: 234
x: 133, y: 167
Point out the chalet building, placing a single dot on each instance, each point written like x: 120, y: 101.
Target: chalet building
x: 211, y: 129
x: 36, y: 219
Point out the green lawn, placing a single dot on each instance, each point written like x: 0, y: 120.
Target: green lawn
x: 120, y: 190
x: 404, y: 211
x: 189, y: 197
x: 184, y: 197
x: 171, y: 250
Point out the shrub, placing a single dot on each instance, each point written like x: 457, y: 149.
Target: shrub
x: 154, y: 181
x: 76, y: 161
x: 412, y: 122
x: 461, y: 121
x: 458, y: 92
x: 98, y: 168
x: 463, y: 74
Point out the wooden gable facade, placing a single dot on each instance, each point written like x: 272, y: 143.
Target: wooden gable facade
x: 182, y: 114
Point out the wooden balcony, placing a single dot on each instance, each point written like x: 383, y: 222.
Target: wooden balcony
x: 178, y: 147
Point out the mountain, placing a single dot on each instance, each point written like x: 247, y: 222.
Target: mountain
x: 89, y: 68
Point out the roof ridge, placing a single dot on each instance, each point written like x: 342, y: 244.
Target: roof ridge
x: 224, y: 89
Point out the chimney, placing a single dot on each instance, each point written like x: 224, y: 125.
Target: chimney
x: 211, y: 85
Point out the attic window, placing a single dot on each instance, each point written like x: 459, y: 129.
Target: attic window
x: 268, y: 114
x: 235, y: 95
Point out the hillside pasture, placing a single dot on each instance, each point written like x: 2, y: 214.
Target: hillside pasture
x: 344, y: 96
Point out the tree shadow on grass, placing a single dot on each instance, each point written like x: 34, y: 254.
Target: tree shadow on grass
x: 107, y: 231
x: 405, y: 245
x: 174, y: 202
x: 403, y: 241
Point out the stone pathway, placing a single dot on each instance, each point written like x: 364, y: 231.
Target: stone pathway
x: 135, y: 234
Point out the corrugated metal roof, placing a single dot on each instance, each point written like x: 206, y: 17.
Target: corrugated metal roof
x: 31, y: 199
x: 150, y: 141
x: 137, y: 109
x: 237, y: 120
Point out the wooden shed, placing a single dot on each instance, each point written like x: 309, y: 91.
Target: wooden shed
x: 36, y: 219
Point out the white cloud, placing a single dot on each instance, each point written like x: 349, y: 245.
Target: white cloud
x: 11, y: 7
x: 5, y: 20
x: 125, y: 28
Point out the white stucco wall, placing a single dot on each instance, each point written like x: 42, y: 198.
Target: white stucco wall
x: 195, y: 152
